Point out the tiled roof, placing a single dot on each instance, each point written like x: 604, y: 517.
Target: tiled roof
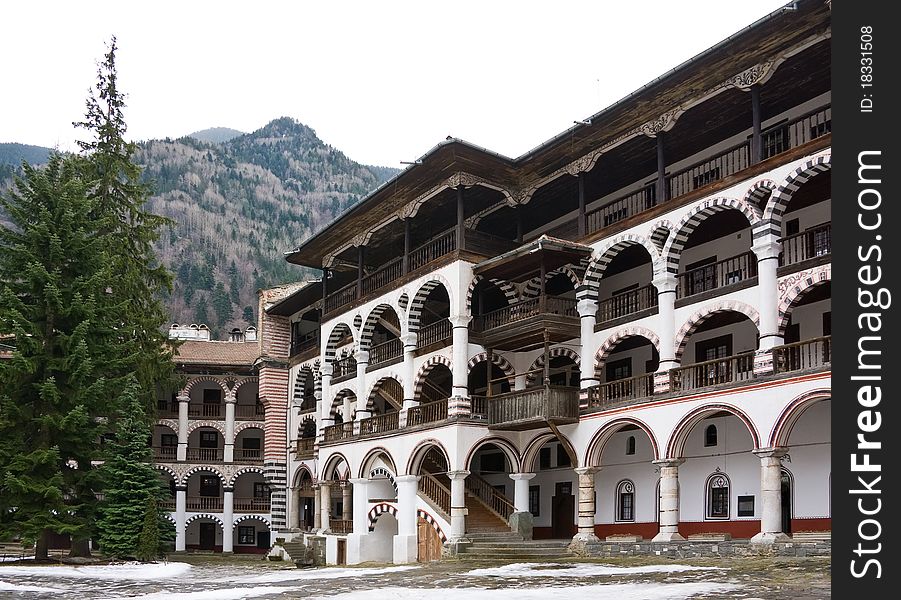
x: 196, y: 352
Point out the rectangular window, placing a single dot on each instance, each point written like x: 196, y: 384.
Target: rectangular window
x: 820, y: 242
x: 209, y: 486
x: 260, y: 491
x: 746, y: 506
x: 702, y: 179
x: 213, y: 396
x: 792, y: 227
x: 619, y: 369
x: 775, y: 141
x: 701, y: 276
x: 820, y: 129
x: 209, y: 439
x: 626, y: 506
x: 251, y: 443
x: 167, y: 440
x: 827, y: 323
x: 544, y: 458
x: 714, y: 348
x: 535, y: 500
x: 562, y: 456
x: 247, y: 535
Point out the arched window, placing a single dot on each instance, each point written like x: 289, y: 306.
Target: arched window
x: 630, y: 445
x: 718, y: 496
x: 625, y: 501
x: 710, y: 436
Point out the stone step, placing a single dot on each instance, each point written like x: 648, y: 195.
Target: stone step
x: 543, y: 551
x: 514, y: 556
x: 506, y: 545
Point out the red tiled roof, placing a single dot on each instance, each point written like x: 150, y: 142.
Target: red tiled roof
x: 217, y: 353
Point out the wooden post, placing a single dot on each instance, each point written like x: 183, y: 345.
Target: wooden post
x: 542, y: 300
x: 518, y: 211
x: 547, y: 359
x: 360, y: 254
x: 583, y: 222
x: 489, y: 370
x: 662, y: 189
x: 461, y: 233
x: 756, y: 139
x: 406, y: 260
x: 324, y: 287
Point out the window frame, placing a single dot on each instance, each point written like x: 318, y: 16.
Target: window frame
x: 717, y: 481
x: 625, y: 489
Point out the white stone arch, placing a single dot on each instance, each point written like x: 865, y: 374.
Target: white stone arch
x: 533, y: 286
x: 198, y: 516
x: 530, y: 454
x: 659, y: 234
x: 201, y: 469
x: 241, y: 382
x: 676, y: 444
x: 250, y: 425
x: 776, y: 207
x: 426, y: 368
x: 338, y: 400
x: 760, y: 190
x: 375, y: 385
x: 257, y: 517
x: 414, y: 312
x: 217, y: 425
x: 379, y: 452
x: 795, y: 286
x: 503, y: 444
x: 372, y: 320
x: 205, y: 379
x: 378, y: 510
x: 336, y: 333
x: 498, y: 361
x: 244, y: 471
x: 414, y: 462
x: 172, y: 424
x: 165, y: 469
x: 792, y: 412
x: 703, y: 313
x: 616, y: 337
x: 602, y: 436
x: 589, y: 288
x: 331, y: 465
x: 508, y: 289
x: 555, y: 352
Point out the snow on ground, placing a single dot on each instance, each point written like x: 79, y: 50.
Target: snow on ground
x: 326, y: 573
x: 124, y: 571
x: 12, y: 587
x: 579, y: 570
x: 631, y: 591
x: 221, y: 594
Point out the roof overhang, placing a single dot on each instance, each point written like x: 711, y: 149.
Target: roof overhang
x: 524, y: 262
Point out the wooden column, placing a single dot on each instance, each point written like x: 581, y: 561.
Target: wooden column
x: 662, y: 189
x: 518, y: 212
x: 756, y: 139
x: 361, y: 251
x: 406, y: 260
x: 542, y: 298
x: 489, y: 371
x: 324, y: 287
x: 547, y: 359
x: 583, y: 222
x: 461, y: 233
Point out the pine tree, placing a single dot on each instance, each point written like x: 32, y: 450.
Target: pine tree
x: 248, y: 314
x: 131, y: 520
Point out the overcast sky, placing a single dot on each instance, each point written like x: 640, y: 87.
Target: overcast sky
x: 381, y: 81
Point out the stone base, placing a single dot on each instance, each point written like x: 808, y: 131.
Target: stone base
x: 581, y: 542
x: 623, y: 538
x: 406, y: 549
x: 710, y: 537
x: 522, y: 523
x: 666, y: 536
x: 770, y: 538
x: 456, y: 547
x: 697, y: 549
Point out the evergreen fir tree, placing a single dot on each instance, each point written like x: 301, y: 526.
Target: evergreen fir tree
x: 248, y: 314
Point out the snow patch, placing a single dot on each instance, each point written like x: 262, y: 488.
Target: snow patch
x: 125, y: 571
x: 221, y: 594
x: 326, y: 573
x: 581, y: 570
x: 12, y: 587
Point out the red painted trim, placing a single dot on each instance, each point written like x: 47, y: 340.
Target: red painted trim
x: 645, y: 530
x: 817, y: 524
x: 546, y: 533
x: 737, y: 529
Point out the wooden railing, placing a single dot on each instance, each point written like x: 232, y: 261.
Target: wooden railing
x: 433, y: 333
x: 248, y: 505
x: 442, y: 244
x: 250, y: 412
x: 631, y: 388
x: 808, y: 354
x: 304, y: 447
x: 167, y: 408
x: 547, y: 403
x: 379, y: 423
x: 205, y: 410
x: 531, y: 307
x: 199, y: 503
x: 431, y: 412
x: 385, y: 275
x: 248, y: 455
x: 341, y: 298
x: 204, y: 454
x: 713, y: 372
x: 168, y: 504
x: 341, y: 526
x: 437, y: 492
x: 627, y: 303
x: 304, y: 342
x: 338, y: 432
x: 785, y: 136
x: 717, y: 275
x: 487, y: 244
x: 479, y: 407
x: 814, y: 242
x: 485, y: 492
x: 728, y: 162
x: 344, y: 367
x: 165, y: 452
x: 621, y: 208
x: 385, y: 352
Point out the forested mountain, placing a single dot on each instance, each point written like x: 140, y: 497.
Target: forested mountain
x: 238, y: 205
x: 215, y: 135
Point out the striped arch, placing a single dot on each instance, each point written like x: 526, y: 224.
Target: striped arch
x: 431, y: 521
x: 797, y: 285
x: 201, y: 469
x: 300, y: 385
x: 414, y: 314
x: 599, y: 440
x: 339, y: 331
x: 204, y: 379
x: 376, y: 385
x: 218, y: 426
x: 509, y: 290
x: 498, y: 361
x: 676, y: 444
x: 530, y: 454
x: 258, y: 517
x: 531, y: 378
x: 426, y: 368
x: 170, y: 423
x: 695, y: 320
x: 791, y: 413
x: 378, y: 510
x: 249, y: 425
x: 761, y: 190
x: 383, y: 471
x: 168, y: 470
x: 331, y: 466
x: 660, y: 233
x: 595, y: 271
x: 616, y: 337
x: 372, y: 320
x: 672, y: 252
x: 505, y: 445
x: 169, y: 517
x: 776, y: 207
x: 242, y: 471
x: 419, y: 452
x: 533, y: 286
x: 193, y: 518
x: 338, y: 402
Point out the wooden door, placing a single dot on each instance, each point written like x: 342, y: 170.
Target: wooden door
x: 342, y: 552
x: 563, y: 511
x: 207, y: 536
x: 429, y: 542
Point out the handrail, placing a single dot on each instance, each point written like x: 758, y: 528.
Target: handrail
x: 337, y: 432
x: 385, y: 351
x: 207, y: 410
x: 435, y: 491
x: 439, y: 331
x: 250, y: 412
x: 252, y: 504
x: 631, y: 388
x: 816, y: 352
x: 248, y: 456
x: 305, y: 446
x: 197, y: 503
x: 344, y: 366
x: 781, y: 137
x: 810, y: 243
x: 489, y: 496
x: 739, y: 367
x: 716, y: 167
x: 380, y: 423
x: 720, y: 274
x: 621, y: 208
x: 546, y: 403
x: 430, y: 412
x: 304, y: 342
x: 340, y: 526
x: 479, y: 407
x: 627, y: 303
x: 165, y: 452
x: 387, y: 273
x: 341, y: 297
x: 204, y: 454
x: 524, y: 309
x: 440, y: 245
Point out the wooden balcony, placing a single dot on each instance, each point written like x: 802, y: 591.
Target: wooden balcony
x: 252, y: 505
x: 248, y: 456
x: 165, y: 453
x: 338, y: 432
x: 437, y: 492
x: 198, y: 410
x: 166, y: 409
x: 431, y: 412
x: 250, y: 412
x: 344, y: 369
x: 800, y: 356
x: 340, y: 526
x: 204, y: 455
x: 629, y: 303
x: 806, y: 248
x: 204, y: 503
x: 621, y: 390
x: 385, y: 353
x: 304, y: 448
x: 380, y: 424
x: 304, y: 343
x: 522, y: 325
x: 437, y: 334
x: 533, y: 408
x: 731, y: 369
x: 726, y: 273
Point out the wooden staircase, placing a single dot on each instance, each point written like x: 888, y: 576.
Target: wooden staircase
x: 481, y: 519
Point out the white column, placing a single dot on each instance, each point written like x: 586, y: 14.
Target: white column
x: 317, y: 508
x: 521, y: 490
x: 346, y: 509
x: 228, y: 520
x: 669, y: 500
x: 294, y: 510
x: 360, y: 499
x: 458, y: 503
x: 325, y: 505
x: 362, y: 357
x: 460, y: 356
x: 770, y: 496
x: 767, y: 249
x: 409, y: 374
x: 666, y: 313
x: 586, y: 505
x: 325, y: 404
x: 520, y: 382
x: 181, y: 504
x: 588, y: 311
x: 405, y: 542
x: 182, y: 450
x: 229, y: 451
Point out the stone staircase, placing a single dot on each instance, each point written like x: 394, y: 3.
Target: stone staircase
x: 481, y: 519
x: 297, y: 552
x: 511, y: 547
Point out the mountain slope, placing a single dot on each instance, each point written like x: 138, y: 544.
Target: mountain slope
x: 215, y: 135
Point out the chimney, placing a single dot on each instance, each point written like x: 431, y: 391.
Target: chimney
x: 236, y: 335
x: 250, y: 334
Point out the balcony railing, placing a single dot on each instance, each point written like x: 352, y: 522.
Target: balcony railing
x: 204, y: 454
x: 165, y: 453
x: 379, y: 423
x: 251, y: 505
x: 304, y: 447
x: 532, y: 407
x: 627, y: 303
x: 206, y: 410
x: 719, y: 166
x: 304, y: 342
x: 248, y: 456
x: 532, y: 307
x: 385, y: 352
x: 785, y: 136
x: 166, y: 408
x: 383, y: 276
x: 431, y: 412
x: 486, y: 492
x: 812, y: 243
x: 340, y: 298
x: 731, y: 369
x: 798, y: 356
x: 720, y: 274
x: 434, y: 333
x: 344, y: 367
x: 199, y: 503
x: 250, y: 412
x: 611, y: 392
x: 341, y: 526
x: 479, y: 407
x: 167, y: 504
x: 434, y: 249
x: 338, y: 432
x: 435, y: 491
x: 621, y: 208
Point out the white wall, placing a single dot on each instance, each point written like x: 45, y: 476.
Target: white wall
x: 810, y: 318
x: 641, y: 275
x: 616, y: 466
x: 810, y: 216
x: 809, y: 447
x: 744, y: 338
